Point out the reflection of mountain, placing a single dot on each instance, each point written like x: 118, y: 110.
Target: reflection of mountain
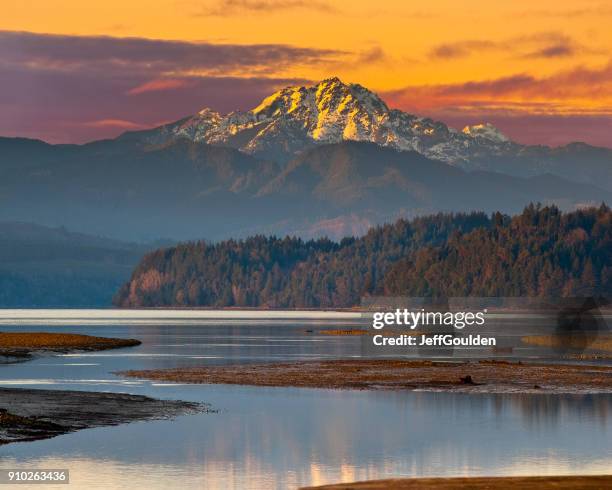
x: 42, y: 266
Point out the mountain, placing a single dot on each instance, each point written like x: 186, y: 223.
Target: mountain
x: 326, y: 160
x: 296, y: 119
x: 359, y: 177
x: 183, y: 189
x: 539, y: 252
x: 52, y: 267
x: 121, y: 189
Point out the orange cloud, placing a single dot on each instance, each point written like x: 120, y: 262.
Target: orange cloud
x: 231, y: 7
x: 601, y: 10
x: 578, y: 90
x: 112, y: 123
x: 159, y: 59
x: 541, y: 45
x: 160, y: 85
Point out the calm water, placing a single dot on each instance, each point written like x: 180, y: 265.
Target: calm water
x: 283, y: 437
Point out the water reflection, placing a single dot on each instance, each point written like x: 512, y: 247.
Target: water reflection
x: 284, y: 438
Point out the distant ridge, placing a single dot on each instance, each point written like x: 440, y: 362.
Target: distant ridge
x: 181, y: 189
x: 42, y: 267
x: 295, y: 119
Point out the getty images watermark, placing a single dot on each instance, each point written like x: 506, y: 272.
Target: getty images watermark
x: 483, y: 327
x: 413, y: 319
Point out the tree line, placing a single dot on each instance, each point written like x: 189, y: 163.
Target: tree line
x: 540, y: 252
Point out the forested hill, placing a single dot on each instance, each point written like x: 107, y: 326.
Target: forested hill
x: 42, y: 267
x: 539, y: 252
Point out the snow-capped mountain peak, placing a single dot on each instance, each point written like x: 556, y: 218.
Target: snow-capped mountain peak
x: 327, y: 111
x: 486, y: 131
x: 296, y: 118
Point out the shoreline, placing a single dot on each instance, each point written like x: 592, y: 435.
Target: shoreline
x: 24, y: 346
x: 390, y: 374
x: 590, y: 482
x: 33, y: 414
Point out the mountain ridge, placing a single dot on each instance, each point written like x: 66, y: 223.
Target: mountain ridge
x: 182, y: 189
x: 295, y: 119
x: 328, y: 158
x: 328, y: 112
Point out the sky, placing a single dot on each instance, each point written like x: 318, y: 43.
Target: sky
x: 74, y: 71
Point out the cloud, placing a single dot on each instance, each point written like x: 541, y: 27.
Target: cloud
x: 224, y: 8
x: 554, y: 51
x: 373, y: 55
x: 59, y: 106
x: 602, y: 10
x: 103, y: 54
x: 577, y: 83
x: 77, y: 88
x: 160, y: 85
x: 523, y: 104
x: 112, y: 123
x: 540, y: 45
x: 461, y: 49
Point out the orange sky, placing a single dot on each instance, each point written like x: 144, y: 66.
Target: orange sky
x: 549, y: 62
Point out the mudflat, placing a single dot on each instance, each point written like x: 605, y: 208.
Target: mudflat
x: 481, y: 376
x: 28, y: 415
x: 484, y: 483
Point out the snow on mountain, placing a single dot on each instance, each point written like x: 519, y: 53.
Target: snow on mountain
x: 487, y: 132
x: 297, y: 118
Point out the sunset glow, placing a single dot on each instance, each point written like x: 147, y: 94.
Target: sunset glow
x: 73, y: 71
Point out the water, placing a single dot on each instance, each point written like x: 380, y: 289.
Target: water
x: 285, y: 437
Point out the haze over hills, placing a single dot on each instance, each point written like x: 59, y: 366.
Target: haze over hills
x: 52, y: 267
x: 186, y: 190
x: 330, y: 159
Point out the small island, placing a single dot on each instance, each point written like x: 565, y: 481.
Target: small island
x: 398, y: 374
x: 21, y: 346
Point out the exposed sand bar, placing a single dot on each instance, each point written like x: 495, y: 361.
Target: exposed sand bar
x: 485, y: 483
x: 483, y: 376
x: 29, y: 415
x: 22, y: 345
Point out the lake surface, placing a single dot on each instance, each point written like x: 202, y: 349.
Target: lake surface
x: 267, y: 438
